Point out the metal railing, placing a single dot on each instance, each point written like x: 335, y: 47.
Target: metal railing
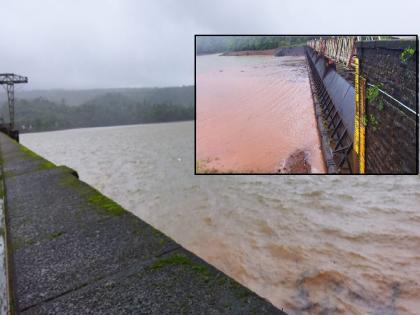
x: 340, y: 49
x: 394, y: 99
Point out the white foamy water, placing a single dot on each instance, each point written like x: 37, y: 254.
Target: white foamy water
x: 310, y: 244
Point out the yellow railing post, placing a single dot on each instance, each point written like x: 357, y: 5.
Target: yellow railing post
x: 362, y: 133
x: 356, y: 140
x: 359, y: 120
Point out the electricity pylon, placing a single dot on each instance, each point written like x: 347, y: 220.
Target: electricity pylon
x: 9, y: 79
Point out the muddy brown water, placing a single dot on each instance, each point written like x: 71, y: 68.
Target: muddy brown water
x: 253, y: 113
x: 309, y: 244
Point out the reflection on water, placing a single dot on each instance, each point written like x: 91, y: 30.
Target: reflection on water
x: 310, y: 244
x: 254, y: 112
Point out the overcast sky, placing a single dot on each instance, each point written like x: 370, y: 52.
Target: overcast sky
x: 137, y: 43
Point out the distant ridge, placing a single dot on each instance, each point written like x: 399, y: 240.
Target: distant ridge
x: 79, y: 97
x: 63, y: 109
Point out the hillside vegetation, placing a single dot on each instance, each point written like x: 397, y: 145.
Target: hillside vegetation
x: 109, y: 109
x: 215, y: 44
x: 79, y: 97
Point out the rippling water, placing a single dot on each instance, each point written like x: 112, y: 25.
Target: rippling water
x: 310, y: 244
x: 254, y: 112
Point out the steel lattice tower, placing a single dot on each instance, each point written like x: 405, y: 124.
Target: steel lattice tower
x: 9, y: 80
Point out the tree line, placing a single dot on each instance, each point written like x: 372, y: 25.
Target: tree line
x: 215, y: 44
x: 111, y: 109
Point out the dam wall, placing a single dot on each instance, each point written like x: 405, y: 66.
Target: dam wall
x: 71, y: 250
x: 335, y: 96
x: 339, y: 90
x: 391, y: 133
x: 382, y: 125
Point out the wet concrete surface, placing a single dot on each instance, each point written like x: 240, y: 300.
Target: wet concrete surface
x: 74, y: 251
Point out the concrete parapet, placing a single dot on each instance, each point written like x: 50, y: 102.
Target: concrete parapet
x: 74, y: 251
x: 391, y: 128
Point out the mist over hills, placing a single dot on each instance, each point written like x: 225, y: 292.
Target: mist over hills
x: 216, y: 44
x: 63, y: 109
x: 79, y: 97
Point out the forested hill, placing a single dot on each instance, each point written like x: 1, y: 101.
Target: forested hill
x: 181, y: 94
x: 215, y: 44
x: 109, y: 109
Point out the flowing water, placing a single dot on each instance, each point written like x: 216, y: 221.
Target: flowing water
x: 309, y: 244
x: 254, y: 112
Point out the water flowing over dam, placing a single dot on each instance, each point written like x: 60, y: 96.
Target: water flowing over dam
x: 254, y: 113
x: 291, y: 240
x: 262, y: 114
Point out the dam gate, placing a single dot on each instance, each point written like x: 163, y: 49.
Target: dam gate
x: 367, y: 91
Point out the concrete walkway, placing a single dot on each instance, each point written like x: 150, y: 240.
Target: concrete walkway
x: 74, y: 251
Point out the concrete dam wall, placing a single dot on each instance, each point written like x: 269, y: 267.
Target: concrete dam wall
x: 391, y: 131
x: 71, y: 250
x: 336, y: 100
x: 387, y: 128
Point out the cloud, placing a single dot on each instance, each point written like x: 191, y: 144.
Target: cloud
x: 120, y: 43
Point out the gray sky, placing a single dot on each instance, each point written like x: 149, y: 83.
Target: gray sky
x: 137, y: 43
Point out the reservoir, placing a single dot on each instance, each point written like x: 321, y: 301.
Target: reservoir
x: 254, y: 113
x: 309, y: 244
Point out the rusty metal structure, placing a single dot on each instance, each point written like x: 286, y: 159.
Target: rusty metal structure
x: 9, y: 80
x: 331, y: 59
x: 342, y: 100
x: 339, y: 49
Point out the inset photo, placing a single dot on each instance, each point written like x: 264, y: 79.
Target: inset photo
x: 306, y: 104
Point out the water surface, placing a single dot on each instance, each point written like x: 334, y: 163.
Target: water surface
x: 254, y: 112
x: 310, y: 244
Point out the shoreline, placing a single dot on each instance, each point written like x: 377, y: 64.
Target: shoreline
x: 278, y: 52
x: 265, y: 52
